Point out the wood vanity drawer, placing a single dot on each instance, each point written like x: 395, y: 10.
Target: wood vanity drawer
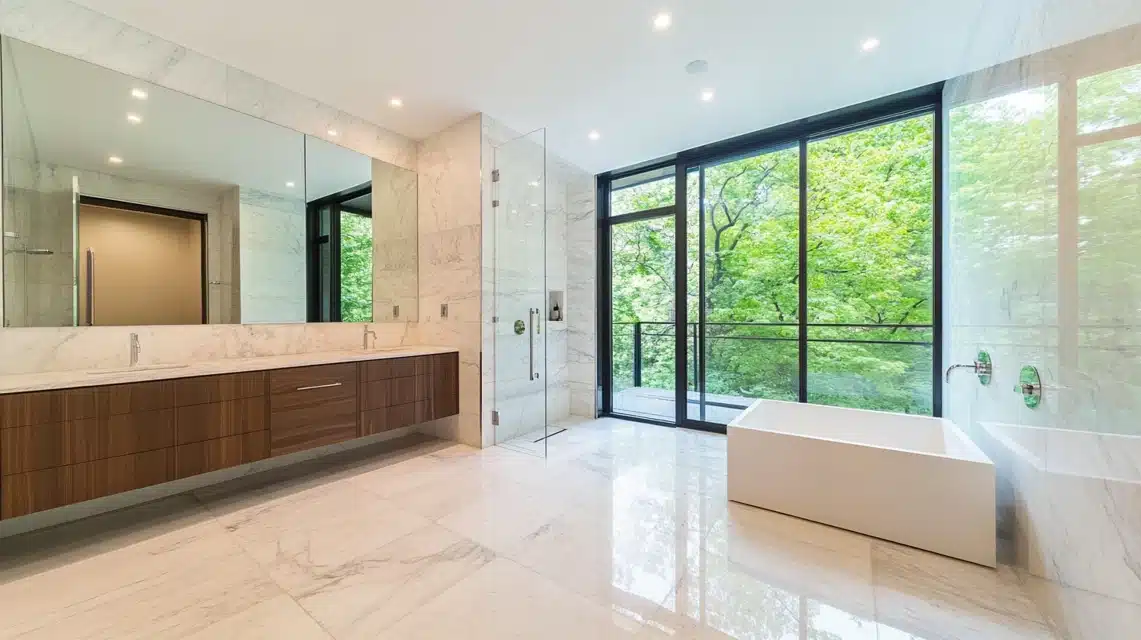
x: 386, y: 393
x: 233, y: 386
x: 26, y: 493
x: 324, y: 422
x: 395, y: 417
x: 394, y: 368
x: 42, y: 407
x: 308, y: 386
x: 32, y: 448
x: 221, y: 453
x: 220, y: 419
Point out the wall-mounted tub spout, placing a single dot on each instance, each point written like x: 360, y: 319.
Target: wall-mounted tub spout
x: 982, y: 368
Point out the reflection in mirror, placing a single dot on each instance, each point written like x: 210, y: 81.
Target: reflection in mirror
x: 127, y: 203
x: 362, y: 222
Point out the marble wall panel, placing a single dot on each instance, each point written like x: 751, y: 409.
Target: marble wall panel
x: 1041, y: 271
x: 272, y: 247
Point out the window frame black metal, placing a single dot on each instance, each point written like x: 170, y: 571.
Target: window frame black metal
x: 926, y: 100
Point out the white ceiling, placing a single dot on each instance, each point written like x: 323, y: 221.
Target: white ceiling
x: 574, y: 66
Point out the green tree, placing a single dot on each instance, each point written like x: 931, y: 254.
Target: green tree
x: 356, y: 268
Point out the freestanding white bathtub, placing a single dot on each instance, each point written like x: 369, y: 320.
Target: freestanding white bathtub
x: 910, y: 479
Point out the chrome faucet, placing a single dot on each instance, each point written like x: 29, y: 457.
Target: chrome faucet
x: 135, y: 349
x: 982, y: 367
x: 364, y: 338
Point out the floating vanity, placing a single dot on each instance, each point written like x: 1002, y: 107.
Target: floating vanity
x: 69, y: 437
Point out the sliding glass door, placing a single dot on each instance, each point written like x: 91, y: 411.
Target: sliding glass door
x: 807, y: 272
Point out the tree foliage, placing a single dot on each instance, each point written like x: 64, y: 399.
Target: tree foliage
x: 356, y: 268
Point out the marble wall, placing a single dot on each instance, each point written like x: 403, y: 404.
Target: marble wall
x: 449, y: 256
x: 272, y: 240
x: 395, y: 251
x: 1043, y: 264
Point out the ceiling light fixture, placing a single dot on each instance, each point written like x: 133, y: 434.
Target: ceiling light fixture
x: 594, y: 135
x: 139, y: 94
x: 396, y: 103
x: 871, y: 44
x: 707, y: 95
x: 115, y: 160
x: 534, y: 183
x: 290, y: 184
x: 662, y: 21
x: 332, y: 133
x: 134, y: 118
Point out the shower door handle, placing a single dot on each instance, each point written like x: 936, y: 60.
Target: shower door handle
x: 530, y: 344
x: 91, y: 287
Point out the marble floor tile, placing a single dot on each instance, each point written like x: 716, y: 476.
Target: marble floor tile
x: 310, y: 539
x: 272, y: 619
x: 172, y: 585
x: 505, y: 600
x: 365, y: 597
x: 623, y: 532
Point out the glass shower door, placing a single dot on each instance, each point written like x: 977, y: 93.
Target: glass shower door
x: 520, y: 274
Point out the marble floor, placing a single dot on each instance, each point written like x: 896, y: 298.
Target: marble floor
x: 623, y: 532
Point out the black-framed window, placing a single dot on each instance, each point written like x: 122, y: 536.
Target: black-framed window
x: 800, y: 263
x: 339, y: 256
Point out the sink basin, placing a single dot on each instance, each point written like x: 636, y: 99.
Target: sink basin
x: 151, y: 367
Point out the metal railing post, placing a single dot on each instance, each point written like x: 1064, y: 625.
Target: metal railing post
x: 637, y: 354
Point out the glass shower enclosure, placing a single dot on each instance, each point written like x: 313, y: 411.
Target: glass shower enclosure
x: 518, y: 199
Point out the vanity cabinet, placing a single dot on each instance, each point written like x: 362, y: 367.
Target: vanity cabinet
x: 70, y: 445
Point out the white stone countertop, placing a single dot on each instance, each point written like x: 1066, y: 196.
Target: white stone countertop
x: 48, y: 380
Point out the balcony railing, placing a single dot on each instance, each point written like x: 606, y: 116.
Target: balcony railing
x: 839, y: 381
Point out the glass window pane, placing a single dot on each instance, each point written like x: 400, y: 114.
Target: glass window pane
x: 356, y: 268
x: 642, y: 271
x: 751, y: 236
x: 870, y: 269
x: 1110, y: 99
x: 642, y: 192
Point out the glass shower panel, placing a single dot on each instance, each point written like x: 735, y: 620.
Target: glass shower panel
x: 519, y: 210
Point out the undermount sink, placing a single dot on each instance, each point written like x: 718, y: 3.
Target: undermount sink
x: 151, y: 367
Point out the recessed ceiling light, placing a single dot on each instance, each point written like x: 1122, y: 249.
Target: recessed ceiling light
x: 139, y: 94
x: 871, y: 44
x: 290, y: 184
x: 662, y: 21
x: 534, y: 183
x: 134, y: 118
x: 332, y: 133
x: 594, y: 135
x: 707, y: 95
x: 396, y: 103
x: 115, y: 160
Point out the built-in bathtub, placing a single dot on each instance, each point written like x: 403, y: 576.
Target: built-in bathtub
x: 915, y: 480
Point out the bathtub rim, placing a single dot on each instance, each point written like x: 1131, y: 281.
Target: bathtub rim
x: 980, y: 455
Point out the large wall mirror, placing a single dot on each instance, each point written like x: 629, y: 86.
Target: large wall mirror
x: 126, y: 203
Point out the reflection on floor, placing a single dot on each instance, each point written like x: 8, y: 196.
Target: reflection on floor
x: 624, y: 532
x: 659, y: 403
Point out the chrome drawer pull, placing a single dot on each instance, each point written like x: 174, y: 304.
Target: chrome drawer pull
x: 320, y: 386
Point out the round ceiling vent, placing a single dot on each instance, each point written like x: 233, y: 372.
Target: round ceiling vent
x: 697, y: 66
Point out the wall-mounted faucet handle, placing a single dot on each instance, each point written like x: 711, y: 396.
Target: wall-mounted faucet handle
x: 982, y: 367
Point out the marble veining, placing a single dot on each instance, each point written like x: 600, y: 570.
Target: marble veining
x: 99, y: 377
x: 623, y: 532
